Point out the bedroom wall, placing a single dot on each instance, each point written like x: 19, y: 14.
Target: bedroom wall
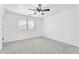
x: 11, y: 32
x: 1, y: 17
x: 0, y: 31
x: 63, y: 27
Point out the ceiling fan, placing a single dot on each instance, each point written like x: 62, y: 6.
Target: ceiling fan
x: 39, y: 10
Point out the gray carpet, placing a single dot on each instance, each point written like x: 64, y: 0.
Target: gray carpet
x: 39, y: 45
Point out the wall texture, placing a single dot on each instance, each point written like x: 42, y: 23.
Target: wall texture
x: 11, y: 32
x: 63, y: 27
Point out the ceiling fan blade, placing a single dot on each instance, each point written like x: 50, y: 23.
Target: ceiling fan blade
x: 45, y: 10
x: 35, y: 13
x: 32, y: 9
x: 42, y: 13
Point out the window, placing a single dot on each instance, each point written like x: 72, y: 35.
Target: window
x: 22, y: 24
x: 30, y: 24
x: 26, y: 24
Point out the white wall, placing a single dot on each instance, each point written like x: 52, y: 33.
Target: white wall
x: 63, y: 27
x: 11, y: 32
x: 0, y: 31
x: 1, y: 15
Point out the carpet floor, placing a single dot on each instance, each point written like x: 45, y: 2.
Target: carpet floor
x: 38, y: 45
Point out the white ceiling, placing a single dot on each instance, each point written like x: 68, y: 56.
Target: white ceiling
x: 54, y: 8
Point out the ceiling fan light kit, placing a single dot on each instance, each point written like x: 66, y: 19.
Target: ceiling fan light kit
x: 39, y: 10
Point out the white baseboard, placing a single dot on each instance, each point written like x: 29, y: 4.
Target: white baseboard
x: 66, y: 42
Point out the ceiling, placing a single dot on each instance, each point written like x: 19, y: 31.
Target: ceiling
x: 54, y: 8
